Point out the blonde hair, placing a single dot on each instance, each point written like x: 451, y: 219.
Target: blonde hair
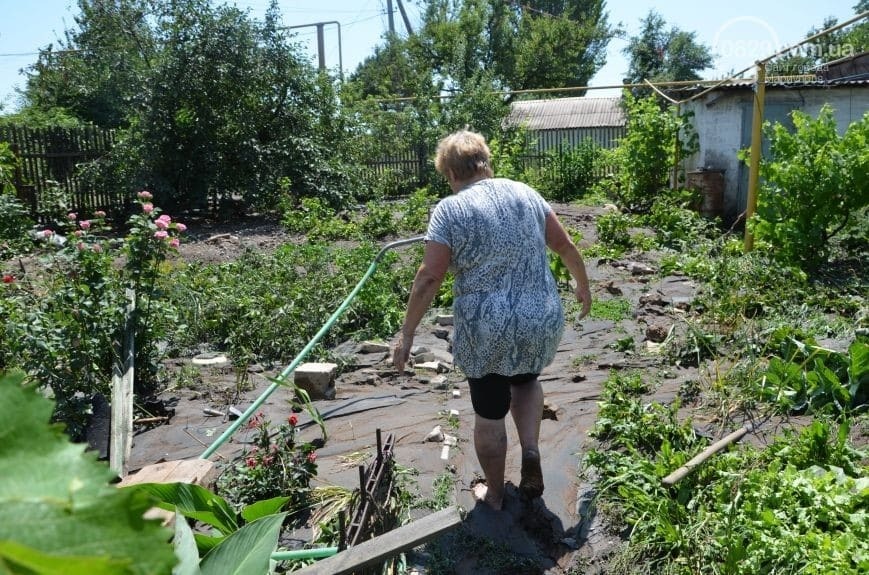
x: 465, y: 154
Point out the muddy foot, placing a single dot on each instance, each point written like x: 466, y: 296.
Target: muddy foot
x: 531, y: 485
x: 482, y: 493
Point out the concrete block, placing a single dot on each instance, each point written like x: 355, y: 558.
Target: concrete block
x: 318, y: 379
x: 373, y: 347
x: 444, y: 320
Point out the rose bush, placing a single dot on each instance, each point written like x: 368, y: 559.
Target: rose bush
x: 63, y: 324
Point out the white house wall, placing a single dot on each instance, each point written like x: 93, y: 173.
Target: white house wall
x: 718, y: 120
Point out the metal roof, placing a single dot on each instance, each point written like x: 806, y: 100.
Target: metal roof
x: 567, y: 113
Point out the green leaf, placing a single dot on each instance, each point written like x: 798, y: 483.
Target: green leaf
x: 185, y: 549
x: 858, y: 370
x: 248, y: 551
x: 195, y: 502
x: 262, y: 508
x: 56, y: 499
x: 21, y: 559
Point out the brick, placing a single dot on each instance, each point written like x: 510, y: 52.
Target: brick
x: 318, y: 379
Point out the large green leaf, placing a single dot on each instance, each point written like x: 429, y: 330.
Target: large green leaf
x: 55, y: 499
x: 185, y: 549
x: 195, y: 502
x: 858, y: 370
x: 248, y: 551
x: 262, y: 508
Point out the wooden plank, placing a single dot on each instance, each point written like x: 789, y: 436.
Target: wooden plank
x: 387, y: 545
x: 122, y: 394
x: 193, y: 471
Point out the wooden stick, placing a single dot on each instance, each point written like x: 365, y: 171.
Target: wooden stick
x: 156, y: 419
x: 686, y: 469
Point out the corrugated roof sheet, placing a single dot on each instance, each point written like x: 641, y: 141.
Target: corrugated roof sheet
x: 567, y: 113
x: 776, y: 82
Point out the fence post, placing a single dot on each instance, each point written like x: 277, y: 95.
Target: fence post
x: 122, y: 393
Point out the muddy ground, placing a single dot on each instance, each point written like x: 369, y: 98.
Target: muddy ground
x: 558, y: 534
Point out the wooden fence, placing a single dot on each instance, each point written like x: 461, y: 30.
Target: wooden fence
x: 49, y: 168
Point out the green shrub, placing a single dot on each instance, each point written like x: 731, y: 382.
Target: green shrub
x: 62, y: 327
x: 815, y: 185
x: 647, y: 153
x: 276, y: 466
x: 570, y: 174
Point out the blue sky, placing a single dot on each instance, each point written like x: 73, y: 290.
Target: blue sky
x: 738, y: 31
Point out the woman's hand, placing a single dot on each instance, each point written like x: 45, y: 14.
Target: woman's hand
x: 583, y: 296
x: 401, y: 352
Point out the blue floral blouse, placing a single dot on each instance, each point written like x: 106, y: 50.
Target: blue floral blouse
x: 508, y: 314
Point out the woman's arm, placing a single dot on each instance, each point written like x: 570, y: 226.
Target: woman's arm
x: 426, y: 284
x: 558, y: 241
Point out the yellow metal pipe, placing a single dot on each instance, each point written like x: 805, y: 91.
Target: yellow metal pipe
x: 756, y: 144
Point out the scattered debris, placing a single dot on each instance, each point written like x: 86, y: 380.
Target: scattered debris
x: 211, y: 358
x: 436, y: 435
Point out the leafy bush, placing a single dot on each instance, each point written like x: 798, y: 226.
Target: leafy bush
x: 571, y: 173
x: 276, y: 466
x: 318, y: 220
x: 270, y: 305
x: 415, y: 212
x: 815, y: 185
x: 612, y: 229
x: 62, y: 327
x: 676, y: 225
x: 378, y: 221
x: 15, y: 227
x: 646, y: 154
x: 802, y: 376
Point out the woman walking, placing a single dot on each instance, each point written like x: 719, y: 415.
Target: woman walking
x: 493, y: 233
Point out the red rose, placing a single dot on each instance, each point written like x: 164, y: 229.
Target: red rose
x: 312, y: 457
x: 8, y: 279
x: 293, y: 420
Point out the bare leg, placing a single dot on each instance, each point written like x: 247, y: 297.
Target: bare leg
x: 490, y: 442
x: 527, y: 410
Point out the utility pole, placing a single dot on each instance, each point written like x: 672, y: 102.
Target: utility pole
x: 405, y: 18
x: 391, y: 19
x: 321, y: 49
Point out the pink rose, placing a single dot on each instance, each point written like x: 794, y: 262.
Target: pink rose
x: 161, y: 235
x: 85, y: 224
x: 97, y: 248
x: 161, y: 224
x: 79, y: 246
x: 71, y: 216
x: 148, y: 207
x: 181, y: 227
x: 99, y: 214
x: 165, y: 218
x: 145, y: 195
x: 312, y: 457
x: 174, y: 243
x: 47, y: 233
x: 78, y: 233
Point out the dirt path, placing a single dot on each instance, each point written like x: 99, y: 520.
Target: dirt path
x: 555, y: 533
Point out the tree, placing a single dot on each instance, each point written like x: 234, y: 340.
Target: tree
x: 809, y: 57
x: 100, y: 72
x: 211, y: 102
x: 661, y: 54
x: 535, y: 44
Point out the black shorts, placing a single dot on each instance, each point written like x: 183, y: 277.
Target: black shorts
x: 490, y: 394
